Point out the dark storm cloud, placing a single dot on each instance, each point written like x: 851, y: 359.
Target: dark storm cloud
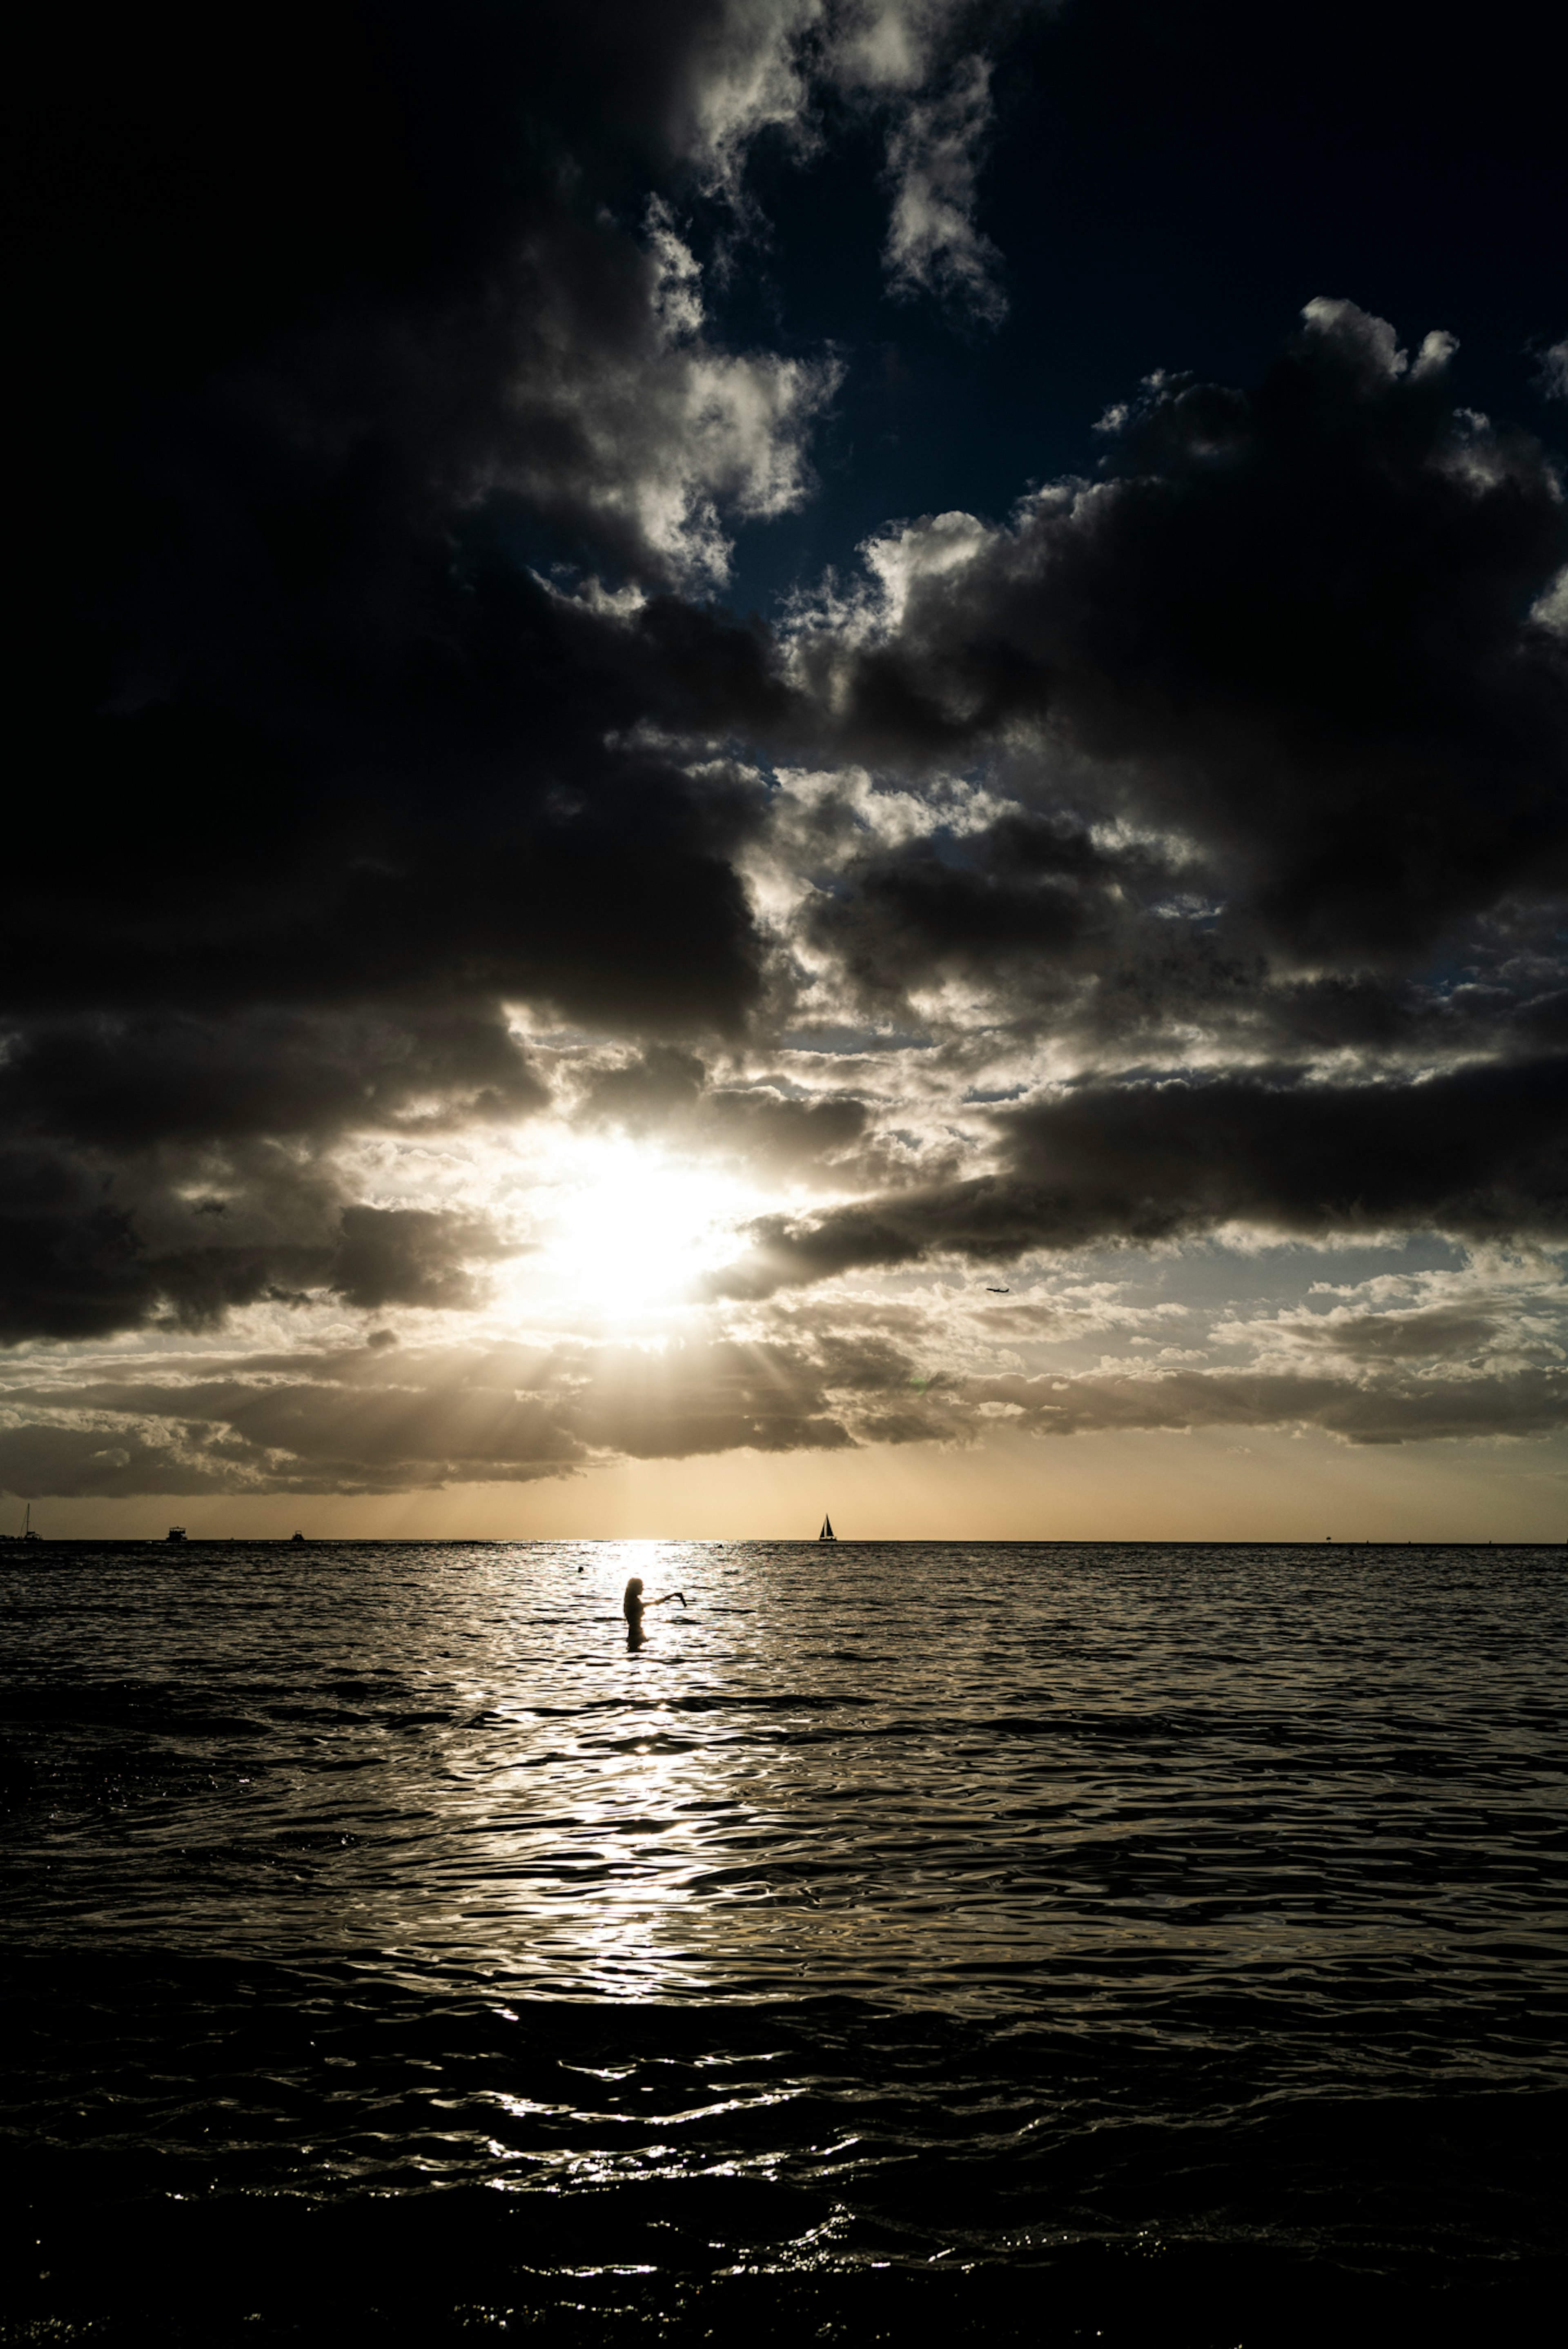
x: 409, y: 1256
x: 84, y: 1274
x: 1416, y: 1409
x: 1445, y: 1331
x: 448, y: 819
x: 370, y: 310
x: 127, y: 1080
x: 770, y: 1128
x: 1302, y: 627
x: 143, y: 1176
x: 77, y: 1262
x: 70, y: 1265
x: 356, y: 336
x: 1125, y: 955
x: 665, y: 1091
x: 1482, y: 1153
x: 372, y: 516
x: 373, y: 316
x: 646, y: 1090
x: 1028, y: 886
x: 360, y: 319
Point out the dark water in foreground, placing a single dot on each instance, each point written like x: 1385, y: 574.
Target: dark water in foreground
x: 1031, y: 1942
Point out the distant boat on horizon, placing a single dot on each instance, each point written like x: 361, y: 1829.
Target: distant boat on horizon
x: 828, y: 1533
x: 175, y: 1533
x: 27, y: 1533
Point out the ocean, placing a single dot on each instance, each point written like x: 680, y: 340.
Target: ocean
x: 1013, y: 1940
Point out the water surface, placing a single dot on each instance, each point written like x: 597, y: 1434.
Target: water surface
x: 895, y: 1904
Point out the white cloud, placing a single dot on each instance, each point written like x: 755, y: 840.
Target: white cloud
x: 933, y: 160
x: 911, y: 62
x: 1496, y: 1317
x: 1555, y: 369
x: 667, y: 436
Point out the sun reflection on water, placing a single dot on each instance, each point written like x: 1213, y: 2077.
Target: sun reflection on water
x: 907, y: 1773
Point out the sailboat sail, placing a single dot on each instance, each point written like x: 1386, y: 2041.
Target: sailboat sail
x: 828, y: 1533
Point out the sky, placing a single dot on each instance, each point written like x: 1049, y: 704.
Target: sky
x: 790, y: 755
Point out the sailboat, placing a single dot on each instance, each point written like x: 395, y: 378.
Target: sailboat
x: 27, y: 1533
x: 828, y: 1533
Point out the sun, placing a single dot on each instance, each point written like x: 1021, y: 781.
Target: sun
x: 623, y: 1226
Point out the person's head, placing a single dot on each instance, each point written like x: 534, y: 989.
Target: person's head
x: 634, y: 1588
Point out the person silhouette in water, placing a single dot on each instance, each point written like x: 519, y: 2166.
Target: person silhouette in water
x: 632, y: 1607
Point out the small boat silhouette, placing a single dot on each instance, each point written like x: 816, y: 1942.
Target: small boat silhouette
x: 175, y: 1533
x: 828, y: 1533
